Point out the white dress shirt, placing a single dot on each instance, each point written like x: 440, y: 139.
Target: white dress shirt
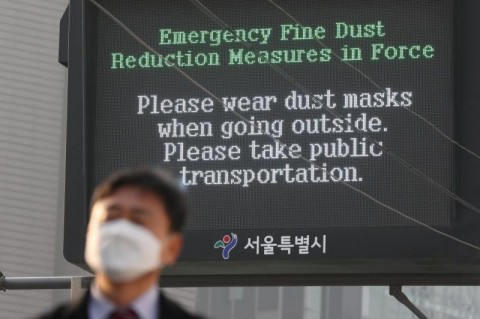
x: 145, y: 306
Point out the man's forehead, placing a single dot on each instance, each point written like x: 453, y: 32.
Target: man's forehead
x: 134, y: 194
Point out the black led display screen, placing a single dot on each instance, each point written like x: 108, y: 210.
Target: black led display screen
x: 292, y: 106
x: 236, y: 177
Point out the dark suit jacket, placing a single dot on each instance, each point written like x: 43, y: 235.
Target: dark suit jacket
x: 79, y: 310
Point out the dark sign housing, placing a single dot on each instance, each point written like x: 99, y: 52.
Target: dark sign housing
x: 322, y: 104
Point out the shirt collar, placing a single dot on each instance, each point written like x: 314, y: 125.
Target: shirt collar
x: 146, y: 305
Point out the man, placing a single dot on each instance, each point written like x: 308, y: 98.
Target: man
x: 133, y: 232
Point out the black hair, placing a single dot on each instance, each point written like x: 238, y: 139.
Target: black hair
x: 160, y: 183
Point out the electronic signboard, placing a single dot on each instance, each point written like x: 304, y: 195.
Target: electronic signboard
x: 296, y: 104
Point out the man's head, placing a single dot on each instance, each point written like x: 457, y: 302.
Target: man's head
x: 158, y: 183
x: 136, y: 219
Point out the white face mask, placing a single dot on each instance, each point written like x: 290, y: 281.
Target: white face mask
x: 122, y: 250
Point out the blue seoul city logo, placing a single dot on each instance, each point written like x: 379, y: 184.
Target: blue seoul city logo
x: 227, y: 243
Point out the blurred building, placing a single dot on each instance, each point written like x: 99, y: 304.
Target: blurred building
x: 32, y: 104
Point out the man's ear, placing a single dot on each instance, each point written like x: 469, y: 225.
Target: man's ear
x: 171, y: 249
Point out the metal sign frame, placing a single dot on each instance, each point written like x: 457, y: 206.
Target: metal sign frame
x: 409, y: 255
